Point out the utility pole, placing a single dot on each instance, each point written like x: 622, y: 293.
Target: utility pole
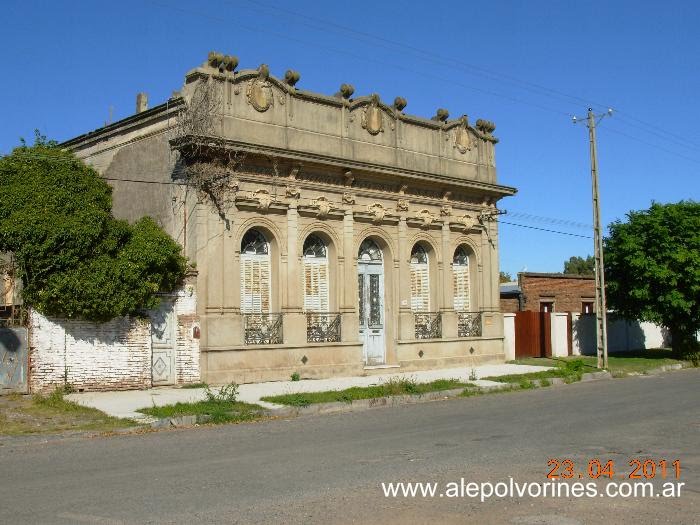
x: 601, y: 308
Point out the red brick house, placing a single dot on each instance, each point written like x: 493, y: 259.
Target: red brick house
x: 549, y: 292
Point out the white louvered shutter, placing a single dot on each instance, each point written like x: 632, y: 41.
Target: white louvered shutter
x: 255, y: 283
x: 420, y: 287
x: 461, y: 287
x: 316, y: 285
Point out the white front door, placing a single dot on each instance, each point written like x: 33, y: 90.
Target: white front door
x: 371, y: 307
x: 163, y: 344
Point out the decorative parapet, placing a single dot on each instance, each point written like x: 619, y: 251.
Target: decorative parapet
x: 259, y: 81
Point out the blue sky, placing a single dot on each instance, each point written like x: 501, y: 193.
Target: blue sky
x: 527, y: 66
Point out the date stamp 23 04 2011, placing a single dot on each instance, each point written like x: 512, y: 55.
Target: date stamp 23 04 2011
x: 638, y: 468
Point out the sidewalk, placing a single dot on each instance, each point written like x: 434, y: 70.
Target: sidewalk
x: 125, y: 403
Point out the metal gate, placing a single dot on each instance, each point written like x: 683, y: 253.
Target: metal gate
x: 533, y: 334
x: 13, y: 359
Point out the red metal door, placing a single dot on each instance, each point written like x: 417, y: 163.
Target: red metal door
x: 533, y: 334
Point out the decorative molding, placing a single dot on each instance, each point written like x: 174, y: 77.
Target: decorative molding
x: 400, y: 103
x: 486, y: 129
x: 466, y: 222
x: 348, y: 198
x: 373, y: 117
x: 292, y: 192
x: 402, y: 205
x: 426, y: 217
x: 461, y: 138
x: 377, y: 211
x: 259, y: 91
x: 349, y: 178
x: 323, y: 206
x: 446, y: 210
x: 294, y: 171
x: 263, y: 198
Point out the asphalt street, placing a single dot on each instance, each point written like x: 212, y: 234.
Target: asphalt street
x: 329, y: 469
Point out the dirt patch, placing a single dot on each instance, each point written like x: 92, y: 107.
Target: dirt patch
x: 26, y: 414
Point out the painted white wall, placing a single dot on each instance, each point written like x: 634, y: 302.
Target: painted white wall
x: 115, y: 355
x: 623, y: 335
x: 509, y: 336
x: 559, y: 335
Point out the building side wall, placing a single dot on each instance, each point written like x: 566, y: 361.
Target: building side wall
x: 567, y: 293
x: 509, y: 304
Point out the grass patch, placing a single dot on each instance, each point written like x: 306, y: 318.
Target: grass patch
x: 23, y: 414
x: 473, y: 391
x: 220, y: 406
x: 393, y: 387
x: 619, y: 364
x: 569, y: 370
x: 195, y: 385
x: 218, y: 411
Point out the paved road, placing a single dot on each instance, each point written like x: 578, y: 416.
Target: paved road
x: 328, y: 469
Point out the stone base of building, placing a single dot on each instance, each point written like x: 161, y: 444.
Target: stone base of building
x: 279, y: 362
x: 432, y: 354
x: 325, y: 360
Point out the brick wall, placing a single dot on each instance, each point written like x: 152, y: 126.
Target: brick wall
x: 107, y: 356
x: 509, y: 304
x: 566, y: 291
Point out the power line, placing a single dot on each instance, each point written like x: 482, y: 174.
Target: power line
x: 436, y: 58
x: 324, y: 24
x: 545, y: 229
x: 551, y: 220
x: 366, y: 58
x: 656, y: 146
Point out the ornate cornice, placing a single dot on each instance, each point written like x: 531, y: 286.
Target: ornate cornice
x: 408, y: 177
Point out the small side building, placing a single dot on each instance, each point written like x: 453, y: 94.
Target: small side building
x: 549, y: 292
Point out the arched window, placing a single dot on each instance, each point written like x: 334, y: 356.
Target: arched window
x: 255, y: 273
x: 316, y: 294
x: 420, y: 280
x: 460, y: 270
x: 369, y: 251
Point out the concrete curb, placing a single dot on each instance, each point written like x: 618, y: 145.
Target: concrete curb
x: 330, y: 408
x: 341, y: 407
x: 365, y: 404
x: 593, y: 376
x: 665, y: 368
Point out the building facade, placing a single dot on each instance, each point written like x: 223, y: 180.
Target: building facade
x: 331, y: 235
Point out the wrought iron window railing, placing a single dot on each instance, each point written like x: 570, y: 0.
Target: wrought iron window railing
x: 428, y: 325
x: 468, y: 324
x: 323, y: 327
x: 263, y: 329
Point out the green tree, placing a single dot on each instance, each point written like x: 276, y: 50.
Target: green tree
x: 504, y: 277
x: 580, y: 266
x: 652, y: 269
x: 74, y: 258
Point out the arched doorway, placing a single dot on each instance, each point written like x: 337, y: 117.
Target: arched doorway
x: 370, y: 284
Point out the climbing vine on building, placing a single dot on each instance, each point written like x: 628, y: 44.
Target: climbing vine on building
x: 73, y: 257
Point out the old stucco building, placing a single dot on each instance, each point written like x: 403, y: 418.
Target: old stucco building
x: 331, y: 235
